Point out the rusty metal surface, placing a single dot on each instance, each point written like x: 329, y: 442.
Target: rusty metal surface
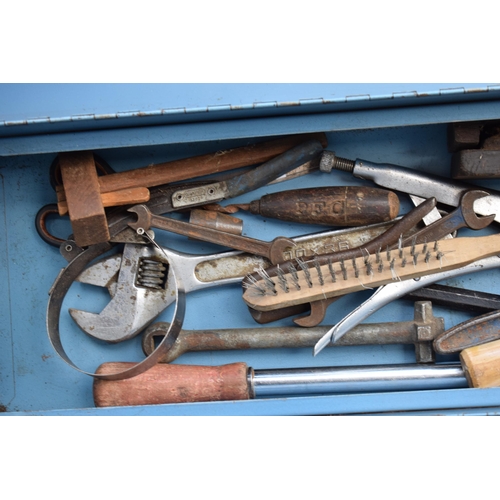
x: 305, y: 246
x: 420, y: 332
x: 476, y: 331
x: 273, y: 250
x: 463, y: 216
x: 216, y: 220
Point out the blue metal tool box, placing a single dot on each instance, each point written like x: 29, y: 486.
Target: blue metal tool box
x: 131, y: 126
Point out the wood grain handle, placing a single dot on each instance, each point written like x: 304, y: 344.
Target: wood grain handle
x: 166, y: 383
x: 129, y: 196
x: 198, y: 166
x: 481, y: 364
x: 332, y: 205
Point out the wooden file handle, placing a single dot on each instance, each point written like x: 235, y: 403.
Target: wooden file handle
x: 165, y: 383
x: 330, y: 205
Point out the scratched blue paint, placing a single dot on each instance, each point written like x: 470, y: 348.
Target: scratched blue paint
x: 209, y: 131
x: 68, y: 107
x: 432, y: 402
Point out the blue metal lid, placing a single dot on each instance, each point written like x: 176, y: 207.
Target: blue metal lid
x: 27, y: 109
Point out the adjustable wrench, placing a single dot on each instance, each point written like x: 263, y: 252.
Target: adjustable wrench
x: 137, y: 298
x: 410, y: 181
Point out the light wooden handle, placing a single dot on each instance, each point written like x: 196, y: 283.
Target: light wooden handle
x: 481, y: 364
x: 308, y: 282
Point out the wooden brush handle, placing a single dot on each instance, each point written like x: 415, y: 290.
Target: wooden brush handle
x: 481, y: 364
x: 165, y: 383
x: 307, y: 282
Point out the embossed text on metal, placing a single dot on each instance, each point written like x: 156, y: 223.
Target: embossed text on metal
x: 199, y: 195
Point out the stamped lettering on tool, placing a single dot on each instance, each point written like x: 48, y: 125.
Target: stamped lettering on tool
x: 319, y: 208
x: 203, y: 194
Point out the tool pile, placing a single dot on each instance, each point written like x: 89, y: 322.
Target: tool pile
x: 113, y: 245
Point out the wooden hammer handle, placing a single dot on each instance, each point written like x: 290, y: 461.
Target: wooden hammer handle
x: 197, y: 166
x: 166, y: 383
x: 129, y: 196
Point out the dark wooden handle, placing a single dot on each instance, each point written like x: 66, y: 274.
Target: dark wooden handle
x: 332, y: 206
x: 197, y: 166
x: 166, y: 383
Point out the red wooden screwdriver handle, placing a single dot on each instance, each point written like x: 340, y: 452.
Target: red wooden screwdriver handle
x: 166, y: 383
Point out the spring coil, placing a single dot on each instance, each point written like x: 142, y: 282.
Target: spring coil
x: 151, y: 274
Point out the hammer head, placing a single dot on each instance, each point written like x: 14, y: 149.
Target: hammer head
x: 143, y: 217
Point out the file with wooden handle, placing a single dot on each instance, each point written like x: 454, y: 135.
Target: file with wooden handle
x: 330, y: 205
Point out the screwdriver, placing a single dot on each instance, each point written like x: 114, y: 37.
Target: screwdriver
x: 175, y: 383
x: 330, y: 205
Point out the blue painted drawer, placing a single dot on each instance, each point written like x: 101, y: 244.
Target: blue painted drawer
x: 388, y: 124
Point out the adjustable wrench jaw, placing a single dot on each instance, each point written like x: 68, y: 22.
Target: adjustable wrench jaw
x: 137, y: 297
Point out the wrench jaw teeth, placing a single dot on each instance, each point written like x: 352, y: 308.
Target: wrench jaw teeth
x: 115, y: 324
x: 142, y: 290
x: 103, y: 273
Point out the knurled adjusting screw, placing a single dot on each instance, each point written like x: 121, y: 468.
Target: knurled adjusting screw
x: 329, y: 161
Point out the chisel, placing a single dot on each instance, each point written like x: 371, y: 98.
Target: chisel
x: 173, y: 383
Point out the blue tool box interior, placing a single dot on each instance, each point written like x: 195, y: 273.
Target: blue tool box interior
x: 134, y: 126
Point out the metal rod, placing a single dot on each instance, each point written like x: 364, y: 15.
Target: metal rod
x: 332, y: 380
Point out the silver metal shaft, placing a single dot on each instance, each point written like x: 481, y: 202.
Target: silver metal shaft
x: 407, y: 180
x: 341, y: 380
